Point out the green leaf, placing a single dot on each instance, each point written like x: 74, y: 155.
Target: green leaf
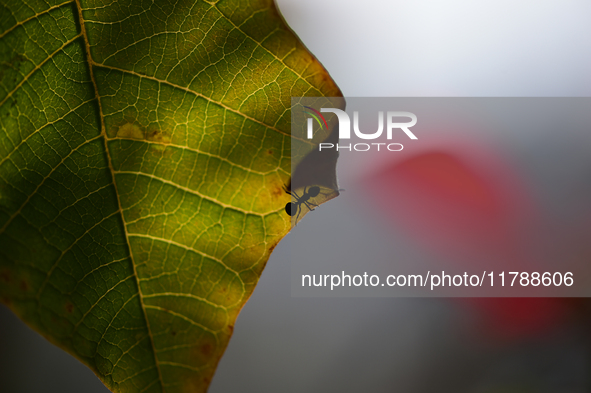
x: 143, y: 150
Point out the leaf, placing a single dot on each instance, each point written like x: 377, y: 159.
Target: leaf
x: 143, y: 150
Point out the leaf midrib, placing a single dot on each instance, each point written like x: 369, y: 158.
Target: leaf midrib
x: 112, y: 171
x: 103, y: 133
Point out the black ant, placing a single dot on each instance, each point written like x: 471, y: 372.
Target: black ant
x: 293, y: 208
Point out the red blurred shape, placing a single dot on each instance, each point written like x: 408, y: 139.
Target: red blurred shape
x: 469, y: 210
x: 513, y: 318
x: 448, y: 203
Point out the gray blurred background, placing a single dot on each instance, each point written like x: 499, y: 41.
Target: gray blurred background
x: 285, y: 344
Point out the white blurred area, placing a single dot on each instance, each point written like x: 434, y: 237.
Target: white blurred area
x: 447, y: 48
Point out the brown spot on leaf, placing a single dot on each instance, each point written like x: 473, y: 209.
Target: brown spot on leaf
x: 207, y: 349
x: 69, y: 307
x: 173, y: 333
x: 158, y: 136
x: 24, y: 286
x: 270, y: 152
x: 277, y: 192
x: 158, y: 142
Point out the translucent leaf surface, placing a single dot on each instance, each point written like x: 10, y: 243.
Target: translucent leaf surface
x: 143, y: 150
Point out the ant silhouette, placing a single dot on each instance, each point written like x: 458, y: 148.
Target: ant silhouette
x: 294, y: 208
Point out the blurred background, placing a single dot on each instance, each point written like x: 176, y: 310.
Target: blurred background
x: 421, y: 48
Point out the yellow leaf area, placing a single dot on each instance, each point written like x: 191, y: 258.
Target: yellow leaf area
x: 144, y: 147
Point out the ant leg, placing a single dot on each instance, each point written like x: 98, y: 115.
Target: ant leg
x: 298, y: 215
x: 295, y: 194
x: 308, y: 205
